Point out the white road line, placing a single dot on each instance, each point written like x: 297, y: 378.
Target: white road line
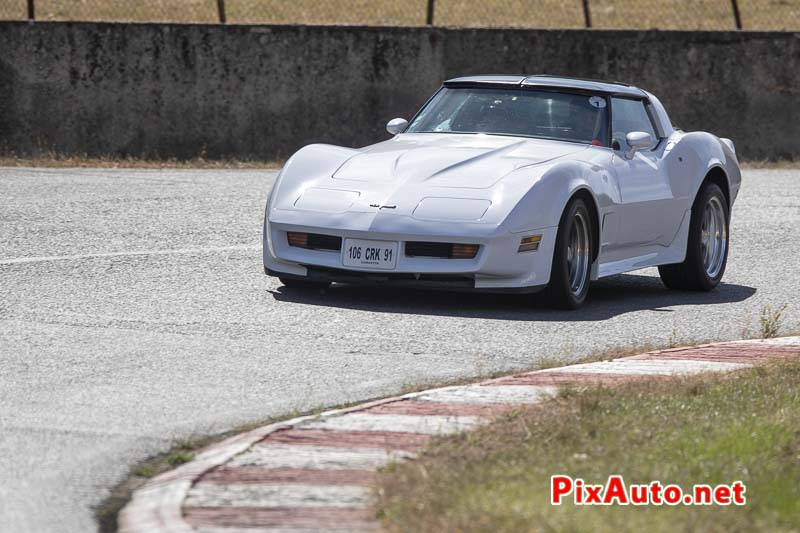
x: 277, y: 495
x: 650, y: 367
x: 505, y: 394
x: 429, y: 425
x: 316, y: 457
x: 17, y: 260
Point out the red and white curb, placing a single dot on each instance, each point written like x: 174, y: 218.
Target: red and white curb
x: 314, y: 473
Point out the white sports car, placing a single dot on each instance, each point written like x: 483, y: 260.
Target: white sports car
x: 509, y: 183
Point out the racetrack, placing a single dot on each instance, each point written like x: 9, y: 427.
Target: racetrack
x: 134, y: 311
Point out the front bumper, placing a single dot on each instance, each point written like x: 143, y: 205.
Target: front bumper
x: 399, y: 280
x: 497, y: 267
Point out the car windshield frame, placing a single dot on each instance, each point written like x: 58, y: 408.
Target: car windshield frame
x: 603, y: 105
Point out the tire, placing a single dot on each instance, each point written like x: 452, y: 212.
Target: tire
x: 707, y: 247
x: 294, y: 283
x: 571, y: 272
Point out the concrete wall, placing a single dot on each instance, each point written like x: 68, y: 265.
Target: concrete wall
x: 263, y: 91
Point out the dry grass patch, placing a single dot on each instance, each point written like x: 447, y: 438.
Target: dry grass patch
x: 60, y: 161
x: 704, y: 429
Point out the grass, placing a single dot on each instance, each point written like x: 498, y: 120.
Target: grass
x: 744, y: 425
x: 63, y: 161
x: 771, y: 321
x: 676, y: 14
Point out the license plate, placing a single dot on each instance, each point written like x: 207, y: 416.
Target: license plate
x: 369, y: 254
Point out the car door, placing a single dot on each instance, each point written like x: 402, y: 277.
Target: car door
x: 650, y: 213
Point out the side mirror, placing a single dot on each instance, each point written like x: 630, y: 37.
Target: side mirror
x: 396, y: 125
x: 638, y: 140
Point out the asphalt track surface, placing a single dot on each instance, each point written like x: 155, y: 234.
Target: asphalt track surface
x: 134, y: 312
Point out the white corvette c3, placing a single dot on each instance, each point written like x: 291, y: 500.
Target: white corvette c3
x: 509, y: 183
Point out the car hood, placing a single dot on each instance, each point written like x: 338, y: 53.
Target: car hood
x: 449, y: 160
x: 440, y: 177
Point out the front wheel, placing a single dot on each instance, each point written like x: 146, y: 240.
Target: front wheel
x: 707, y: 248
x: 572, y: 258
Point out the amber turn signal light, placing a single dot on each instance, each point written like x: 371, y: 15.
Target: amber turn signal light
x: 464, y: 251
x: 529, y: 243
x: 297, y: 239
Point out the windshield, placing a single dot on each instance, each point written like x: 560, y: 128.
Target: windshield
x: 521, y: 112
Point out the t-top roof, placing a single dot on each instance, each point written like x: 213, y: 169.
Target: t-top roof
x: 543, y: 80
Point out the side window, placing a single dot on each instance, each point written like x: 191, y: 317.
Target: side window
x: 627, y: 116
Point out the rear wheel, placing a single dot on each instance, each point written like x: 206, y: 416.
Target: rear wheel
x: 294, y: 283
x: 572, y: 258
x: 707, y: 247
